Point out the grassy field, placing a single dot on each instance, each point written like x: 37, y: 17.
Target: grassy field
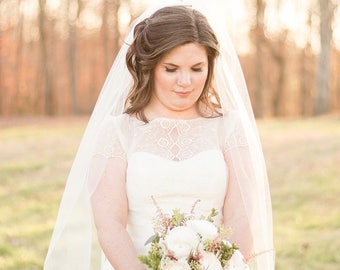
x: 303, y: 158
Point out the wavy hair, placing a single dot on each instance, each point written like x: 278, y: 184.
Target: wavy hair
x: 155, y: 36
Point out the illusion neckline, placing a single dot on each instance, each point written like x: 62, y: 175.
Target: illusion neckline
x: 169, y: 119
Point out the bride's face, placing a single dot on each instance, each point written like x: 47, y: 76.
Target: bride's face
x: 179, y: 79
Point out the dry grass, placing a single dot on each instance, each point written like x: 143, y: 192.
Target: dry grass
x: 35, y: 157
x: 303, y: 158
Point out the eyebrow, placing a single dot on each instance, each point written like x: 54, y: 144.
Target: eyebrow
x: 173, y: 65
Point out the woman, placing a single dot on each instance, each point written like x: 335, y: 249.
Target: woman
x: 179, y: 129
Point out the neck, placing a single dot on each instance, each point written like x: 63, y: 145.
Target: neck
x: 153, y: 112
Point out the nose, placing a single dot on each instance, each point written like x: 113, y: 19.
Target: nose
x: 184, y: 79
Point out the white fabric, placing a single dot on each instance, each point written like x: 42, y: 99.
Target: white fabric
x: 177, y: 162
x: 185, y: 152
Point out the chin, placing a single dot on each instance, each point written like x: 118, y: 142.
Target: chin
x: 183, y: 109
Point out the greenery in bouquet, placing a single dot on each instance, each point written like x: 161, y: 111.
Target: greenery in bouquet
x: 183, y: 242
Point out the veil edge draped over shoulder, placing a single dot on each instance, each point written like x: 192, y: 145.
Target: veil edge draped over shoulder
x: 74, y: 244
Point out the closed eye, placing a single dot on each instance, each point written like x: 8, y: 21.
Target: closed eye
x: 197, y: 69
x: 170, y: 69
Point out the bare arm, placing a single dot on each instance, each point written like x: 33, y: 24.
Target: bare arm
x: 237, y: 203
x: 110, y: 210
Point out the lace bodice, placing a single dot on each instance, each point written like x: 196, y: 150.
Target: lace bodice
x: 172, y: 139
x: 167, y: 138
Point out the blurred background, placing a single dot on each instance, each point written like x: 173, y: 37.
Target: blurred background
x: 55, y: 54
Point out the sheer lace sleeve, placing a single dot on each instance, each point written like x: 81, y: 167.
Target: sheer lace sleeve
x: 233, y: 135
x: 109, y: 141
x: 247, y: 216
x: 109, y: 146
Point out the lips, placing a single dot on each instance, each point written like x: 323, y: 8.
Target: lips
x: 182, y: 93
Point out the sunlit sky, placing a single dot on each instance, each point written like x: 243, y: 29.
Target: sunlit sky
x: 238, y: 16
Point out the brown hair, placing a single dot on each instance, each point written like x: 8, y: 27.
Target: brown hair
x: 155, y: 36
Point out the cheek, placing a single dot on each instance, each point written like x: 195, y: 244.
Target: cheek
x: 163, y: 81
x: 200, y: 80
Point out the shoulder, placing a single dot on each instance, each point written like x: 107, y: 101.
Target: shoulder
x: 117, y: 121
x: 229, y: 121
x: 121, y: 127
x: 111, y: 138
x: 232, y: 130
x: 112, y: 127
x: 232, y: 117
x: 113, y: 119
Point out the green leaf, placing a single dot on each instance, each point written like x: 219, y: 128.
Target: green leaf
x: 153, y: 258
x: 225, y: 253
x: 152, y: 239
x: 213, y: 213
x: 177, y: 217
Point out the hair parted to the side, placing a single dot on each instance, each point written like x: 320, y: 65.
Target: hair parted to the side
x: 155, y: 36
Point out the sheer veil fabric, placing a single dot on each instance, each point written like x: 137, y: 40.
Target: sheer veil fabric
x: 74, y: 244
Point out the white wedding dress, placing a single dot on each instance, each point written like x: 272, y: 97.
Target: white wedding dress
x: 177, y: 162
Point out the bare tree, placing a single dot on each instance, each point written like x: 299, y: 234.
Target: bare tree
x: 110, y: 30
x: 46, y: 65
x: 104, y: 32
x: 73, y: 12
x: 337, y: 79
x: 115, y: 26
x: 321, y: 104
x: 2, y: 90
x: 278, y: 52
x: 305, y: 73
x: 259, y: 44
x: 19, y: 50
x: 11, y: 58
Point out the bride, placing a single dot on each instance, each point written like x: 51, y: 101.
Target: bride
x: 172, y: 124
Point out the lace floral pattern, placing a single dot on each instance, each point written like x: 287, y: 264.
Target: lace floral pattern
x: 172, y: 139
x: 108, y: 143
x: 235, y: 138
x: 176, y: 139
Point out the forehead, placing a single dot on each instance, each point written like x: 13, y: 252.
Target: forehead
x: 190, y: 53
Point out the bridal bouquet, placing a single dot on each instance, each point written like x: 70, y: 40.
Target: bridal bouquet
x: 182, y: 242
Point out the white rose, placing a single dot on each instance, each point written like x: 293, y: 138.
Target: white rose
x: 209, y: 261
x: 227, y: 243
x: 229, y: 266
x: 204, y: 228
x: 180, y: 241
x: 176, y: 265
x: 236, y: 262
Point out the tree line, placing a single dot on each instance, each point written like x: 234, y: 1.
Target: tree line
x: 55, y: 55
